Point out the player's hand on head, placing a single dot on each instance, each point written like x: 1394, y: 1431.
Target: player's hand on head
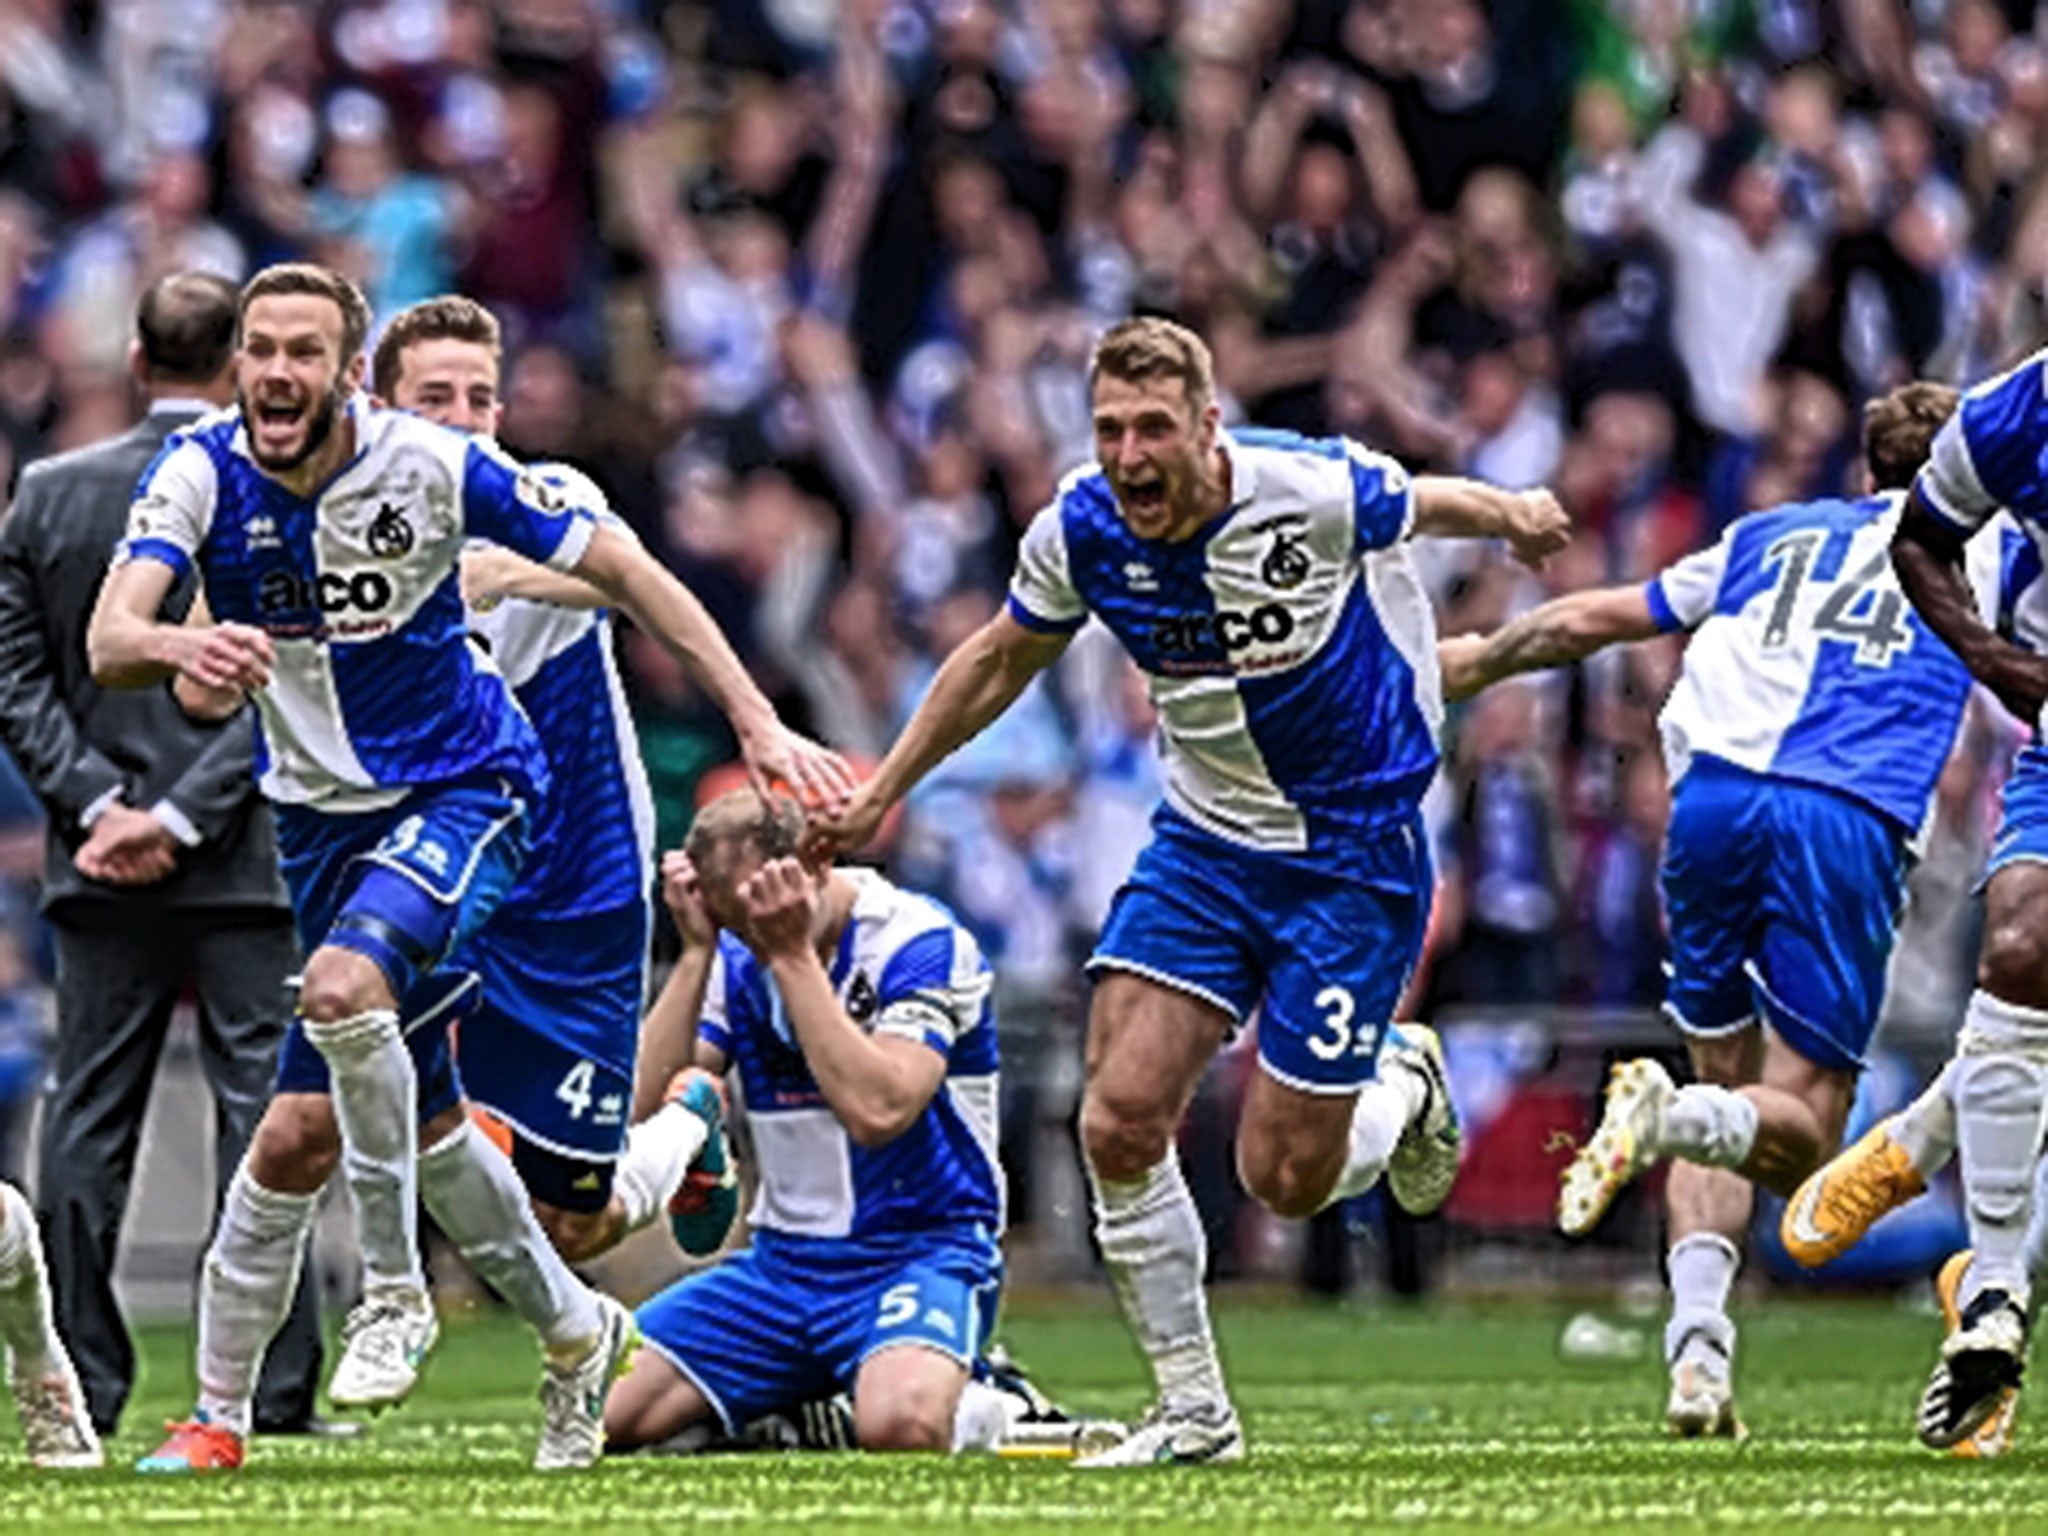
x: 781, y: 905
x: 821, y: 778
x: 1458, y: 658
x: 849, y: 828
x: 683, y: 893
x: 1539, y: 528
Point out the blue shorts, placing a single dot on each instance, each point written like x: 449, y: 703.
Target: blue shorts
x: 2023, y: 827
x: 549, y: 1046
x: 1783, y: 899
x: 401, y: 886
x: 1322, y: 947
x: 792, y: 1319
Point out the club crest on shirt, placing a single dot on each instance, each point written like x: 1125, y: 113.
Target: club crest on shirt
x: 540, y: 494
x: 1286, y: 563
x: 860, y: 998
x: 390, y: 536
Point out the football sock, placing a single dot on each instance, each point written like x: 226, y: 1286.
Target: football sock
x: 1926, y: 1128
x: 1382, y: 1112
x: 1708, y: 1124
x: 1702, y: 1268
x: 475, y: 1195
x: 2037, y: 1224
x: 1999, y: 1080
x: 657, y: 1155
x: 1152, y: 1241
x: 26, y: 1326
x: 245, y: 1291
x: 980, y: 1418
x: 375, y: 1101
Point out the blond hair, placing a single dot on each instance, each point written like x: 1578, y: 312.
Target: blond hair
x: 1149, y: 347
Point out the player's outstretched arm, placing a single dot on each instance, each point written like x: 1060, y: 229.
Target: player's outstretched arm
x: 490, y: 575
x: 649, y: 594
x: 877, y: 1085
x: 130, y: 648
x: 1928, y: 555
x: 974, y: 685
x: 1561, y: 631
x: 1533, y: 523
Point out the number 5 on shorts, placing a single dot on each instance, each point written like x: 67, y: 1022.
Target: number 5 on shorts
x: 1343, y: 1038
x: 899, y: 1305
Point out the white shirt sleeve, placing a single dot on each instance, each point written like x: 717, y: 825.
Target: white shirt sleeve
x: 1684, y: 594
x: 1042, y: 592
x: 173, y: 507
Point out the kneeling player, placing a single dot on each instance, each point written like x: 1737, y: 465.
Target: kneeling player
x: 857, y: 1018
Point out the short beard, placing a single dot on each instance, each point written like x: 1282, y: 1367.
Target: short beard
x: 318, y: 430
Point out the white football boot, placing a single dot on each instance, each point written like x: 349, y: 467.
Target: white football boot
x: 383, y: 1344
x: 572, y: 1396
x: 1184, y: 1436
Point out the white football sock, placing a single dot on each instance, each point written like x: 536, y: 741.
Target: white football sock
x: 980, y: 1418
x: 1926, y: 1128
x: 657, y: 1155
x: 2037, y: 1225
x: 476, y: 1196
x: 1152, y: 1241
x: 2000, y: 1084
x: 376, y: 1097
x: 1708, y: 1124
x: 1702, y: 1268
x: 1381, y: 1114
x: 245, y: 1292
x: 26, y: 1326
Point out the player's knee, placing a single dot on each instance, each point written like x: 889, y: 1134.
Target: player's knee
x: 1290, y: 1186
x: 1728, y: 1061
x: 1121, y: 1141
x: 339, y: 984
x: 2014, y: 961
x: 908, y: 1421
x: 297, y: 1144
x: 577, y: 1235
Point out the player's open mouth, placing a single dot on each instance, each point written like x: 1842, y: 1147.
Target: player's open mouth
x: 280, y: 413
x: 1148, y: 497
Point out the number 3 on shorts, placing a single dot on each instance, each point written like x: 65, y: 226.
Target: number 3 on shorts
x: 1338, y: 1007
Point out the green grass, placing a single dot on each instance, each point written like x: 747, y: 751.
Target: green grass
x: 1449, y: 1418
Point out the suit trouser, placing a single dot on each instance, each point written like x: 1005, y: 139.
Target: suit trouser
x: 119, y: 975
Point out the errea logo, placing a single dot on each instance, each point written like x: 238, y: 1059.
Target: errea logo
x: 1138, y: 577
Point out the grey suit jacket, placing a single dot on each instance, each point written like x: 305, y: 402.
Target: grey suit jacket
x: 75, y: 741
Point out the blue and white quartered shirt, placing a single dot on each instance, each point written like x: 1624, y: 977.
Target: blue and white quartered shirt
x: 591, y: 845
x: 1808, y: 663
x: 1288, y: 646
x: 377, y: 688
x: 905, y: 968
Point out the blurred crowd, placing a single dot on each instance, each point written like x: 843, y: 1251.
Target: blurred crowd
x: 809, y: 288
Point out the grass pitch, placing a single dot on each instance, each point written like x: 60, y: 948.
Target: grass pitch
x: 1445, y: 1418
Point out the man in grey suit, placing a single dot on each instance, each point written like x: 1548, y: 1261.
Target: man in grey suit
x: 160, y: 874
